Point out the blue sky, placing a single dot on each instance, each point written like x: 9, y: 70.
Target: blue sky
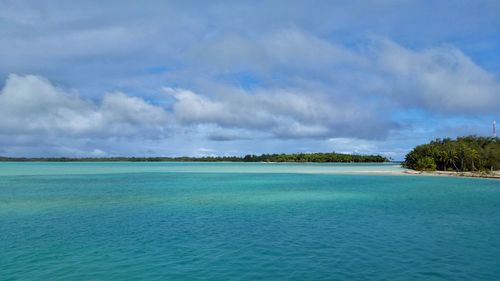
x: 171, y: 78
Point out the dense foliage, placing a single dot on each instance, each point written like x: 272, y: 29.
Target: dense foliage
x: 300, y: 157
x: 469, y: 153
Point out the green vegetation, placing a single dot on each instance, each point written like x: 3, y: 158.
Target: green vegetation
x: 298, y: 157
x: 426, y: 164
x: 465, y: 154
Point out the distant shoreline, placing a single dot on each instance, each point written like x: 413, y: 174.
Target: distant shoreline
x: 492, y: 175
x: 192, y: 161
x: 319, y: 157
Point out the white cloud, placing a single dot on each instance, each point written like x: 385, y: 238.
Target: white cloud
x: 440, y: 79
x: 279, y: 112
x: 31, y: 105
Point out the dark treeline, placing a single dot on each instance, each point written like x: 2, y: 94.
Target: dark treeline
x: 298, y: 157
x: 465, y: 154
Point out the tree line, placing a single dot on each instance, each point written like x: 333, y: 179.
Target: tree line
x: 464, y: 154
x: 296, y: 157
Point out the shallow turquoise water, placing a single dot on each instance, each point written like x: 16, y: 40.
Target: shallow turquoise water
x: 229, y: 221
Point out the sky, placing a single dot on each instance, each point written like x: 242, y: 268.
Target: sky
x: 203, y: 78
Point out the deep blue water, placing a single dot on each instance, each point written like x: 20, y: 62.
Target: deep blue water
x: 214, y: 225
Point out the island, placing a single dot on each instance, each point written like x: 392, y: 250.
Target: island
x: 295, y: 157
x: 464, y: 156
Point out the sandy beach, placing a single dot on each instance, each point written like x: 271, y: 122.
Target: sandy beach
x: 492, y: 175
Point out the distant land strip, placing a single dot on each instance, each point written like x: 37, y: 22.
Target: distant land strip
x: 296, y: 157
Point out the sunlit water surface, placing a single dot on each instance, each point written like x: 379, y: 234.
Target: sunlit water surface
x: 234, y: 221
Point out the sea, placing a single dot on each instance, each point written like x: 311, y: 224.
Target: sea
x: 244, y: 221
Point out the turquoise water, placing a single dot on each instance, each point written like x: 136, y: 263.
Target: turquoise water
x: 231, y: 221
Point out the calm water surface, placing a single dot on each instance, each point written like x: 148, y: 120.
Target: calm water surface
x: 233, y: 221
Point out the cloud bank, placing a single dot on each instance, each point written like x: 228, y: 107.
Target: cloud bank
x: 31, y: 105
x: 237, y: 77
